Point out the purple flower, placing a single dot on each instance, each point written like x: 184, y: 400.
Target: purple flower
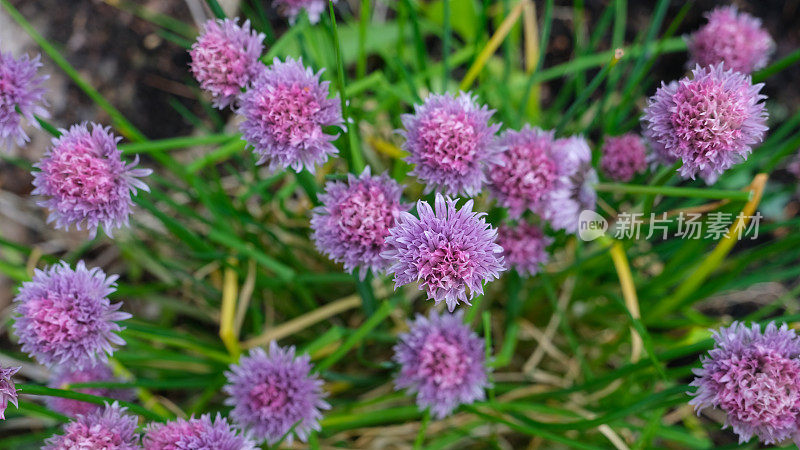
x: 291, y: 9
x: 225, y: 59
x: 284, y: 115
x: 755, y: 378
x: 85, y: 182
x: 271, y: 392
x: 196, y: 434
x: 733, y: 38
x: 451, y: 144
x: 623, y: 157
x: 66, y: 375
x: 65, y: 317
x: 447, y: 251
x: 710, y: 122
x: 8, y: 392
x: 442, y: 361
x: 574, y: 187
x: 352, y: 224
x: 524, y: 247
x: 21, y: 95
x: 527, y: 172
x: 108, y: 429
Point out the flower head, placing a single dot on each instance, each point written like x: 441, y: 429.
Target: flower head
x: 528, y: 171
x: 754, y: 377
x: 285, y: 113
x: 8, y: 392
x: 710, y: 121
x: 447, y: 251
x: 108, y: 429
x: 623, y: 157
x: 731, y: 37
x: 85, y: 182
x: 196, y: 434
x: 352, y: 224
x: 66, y: 375
x: 524, y: 247
x: 451, y: 143
x: 271, y: 392
x: 21, y: 94
x: 225, y: 59
x: 292, y: 8
x: 574, y: 187
x: 65, y: 316
x: 442, y: 361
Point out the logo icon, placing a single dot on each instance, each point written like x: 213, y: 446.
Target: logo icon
x: 591, y: 225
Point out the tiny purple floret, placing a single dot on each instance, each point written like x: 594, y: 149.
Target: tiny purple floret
x: 8, y: 391
x: 65, y: 317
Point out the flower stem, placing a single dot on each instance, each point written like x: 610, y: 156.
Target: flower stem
x: 715, y: 194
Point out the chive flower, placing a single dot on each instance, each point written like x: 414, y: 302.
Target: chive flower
x: 709, y: 121
x: 355, y: 217
x: 573, y: 191
x: 623, y: 157
x: 442, y: 362
x: 285, y: 115
x: 451, y: 143
x: 731, y: 37
x: 448, y: 251
x: 527, y: 173
x: 65, y: 317
x: 273, y: 391
x: 21, y: 96
x: 524, y: 247
x: 109, y: 428
x: 753, y: 375
x: 196, y: 434
x: 225, y: 59
x: 291, y: 9
x: 85, y: 182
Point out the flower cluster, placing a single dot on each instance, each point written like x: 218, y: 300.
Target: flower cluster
x: 85, y: 182
x: 754, y: 377
x: 443, y: 362
x: 8, y: 391
x: 272, y: 392
x: 65, y: 317
x: 108, y: 428
x: 451, y: 144
x: 573, y: 189
x: 21, y: 95
x: 709, y: 121
x: 352, y: 224
x: 524, y: 247
x: 66, y: 375
x: 196, y: 434
x: 225, y: 59
x: 623, y: 157
x: 285, y: 114
x: 447, y: 250
x: 733, y: 38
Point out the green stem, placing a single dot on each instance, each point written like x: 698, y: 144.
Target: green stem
x: 715, y: 194
x: 361, y: 67
x: 420, y: 441
x: 175, y: 143
x: 445, y: 44
x: 35, y: 389
x: 216, y: 9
